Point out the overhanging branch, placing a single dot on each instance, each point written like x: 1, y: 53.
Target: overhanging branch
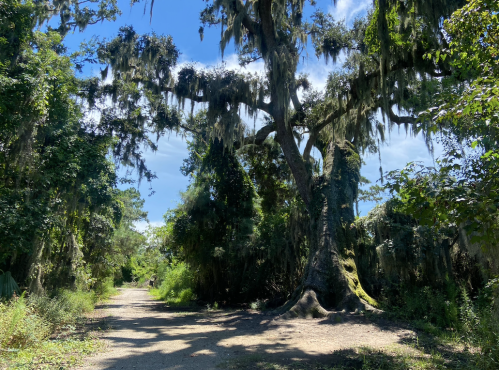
x: 259, y: 137
x: 401, y: 120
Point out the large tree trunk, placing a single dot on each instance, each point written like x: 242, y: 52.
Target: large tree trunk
x: 331, y: 280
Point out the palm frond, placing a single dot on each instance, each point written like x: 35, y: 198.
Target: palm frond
x: 8, y: 285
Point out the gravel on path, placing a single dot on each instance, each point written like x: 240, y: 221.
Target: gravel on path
x: 146, y: 334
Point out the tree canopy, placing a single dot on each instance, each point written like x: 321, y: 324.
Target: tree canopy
x: 258, y: 202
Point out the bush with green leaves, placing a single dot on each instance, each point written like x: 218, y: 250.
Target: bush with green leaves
x: 437, y: 306
x: 104, y: 289
x: 177, y: 287
x: 27, y: 323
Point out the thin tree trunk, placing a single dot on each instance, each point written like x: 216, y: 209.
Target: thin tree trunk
x: 74, y: 256
x: 35, y: 274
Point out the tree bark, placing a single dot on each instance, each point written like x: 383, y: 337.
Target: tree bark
x: 35, y: 274
x: 331, y: 280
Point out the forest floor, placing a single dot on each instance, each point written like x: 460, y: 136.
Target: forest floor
x: 146, y: 334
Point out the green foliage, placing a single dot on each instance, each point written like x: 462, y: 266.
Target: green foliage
x: 26, y: 324
x: 458, y: 199
x: 63, y: 222
x: 21, y: 326
x: 426, y: 274
x: 177, y: 285
x: 330, y: 37
x: 57, y: 353
x: 219, y: 206
x: 479, y: 324
x: 436, y: 306
x: 57, y: 182
x: 398, y: 41
x: 147, y: 264
x: 235, y: 220
x: 119, y: 245
x: 267, y: 168
x: 64, y: 309
x: 464, y: 181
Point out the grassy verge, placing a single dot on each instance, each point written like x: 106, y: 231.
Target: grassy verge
x: 49, y: 354
x: 155, y: 293
x: 42, y: 332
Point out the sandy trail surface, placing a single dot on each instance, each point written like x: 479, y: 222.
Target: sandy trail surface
x: 145, y: 334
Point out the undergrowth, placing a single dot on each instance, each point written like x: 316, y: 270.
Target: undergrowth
x: 437, y: 308
x: 38, y: 332
x: 63, y: 310
x: 105, y: 289
x: 50, y: 354
x: 451, y: 316
x: 177, y: 285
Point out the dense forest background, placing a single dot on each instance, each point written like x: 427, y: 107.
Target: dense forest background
x: 263, y: 223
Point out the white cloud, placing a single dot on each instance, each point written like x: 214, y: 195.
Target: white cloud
x: 142, y: 226
x: 348, y: 9
x: 318, y: 70
x: 232, y: 62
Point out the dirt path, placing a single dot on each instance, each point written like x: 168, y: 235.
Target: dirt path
x: 145, y: 334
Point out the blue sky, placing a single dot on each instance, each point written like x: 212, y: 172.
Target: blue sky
x: 180, y: 19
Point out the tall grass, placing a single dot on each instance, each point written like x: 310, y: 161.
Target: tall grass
x: 480, y: 326
x: 20, y: 325
x: 27, y: 323
x: 66, y: 308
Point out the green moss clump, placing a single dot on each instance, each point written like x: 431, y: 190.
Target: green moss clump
x: 350, y: 271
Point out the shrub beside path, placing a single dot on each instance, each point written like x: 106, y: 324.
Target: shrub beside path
x: 145, y: 334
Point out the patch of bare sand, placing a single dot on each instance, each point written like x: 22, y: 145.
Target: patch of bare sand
x: 145, y: 334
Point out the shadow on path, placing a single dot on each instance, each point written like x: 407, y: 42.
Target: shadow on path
x: 145, y: 334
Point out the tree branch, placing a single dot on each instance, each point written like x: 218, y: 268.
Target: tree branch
x: 260, y: 136
x: 247, y: 22
x: 310, y: 144
x: 191, y: 130
x: 334, y: 115
x: 401, y: 120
